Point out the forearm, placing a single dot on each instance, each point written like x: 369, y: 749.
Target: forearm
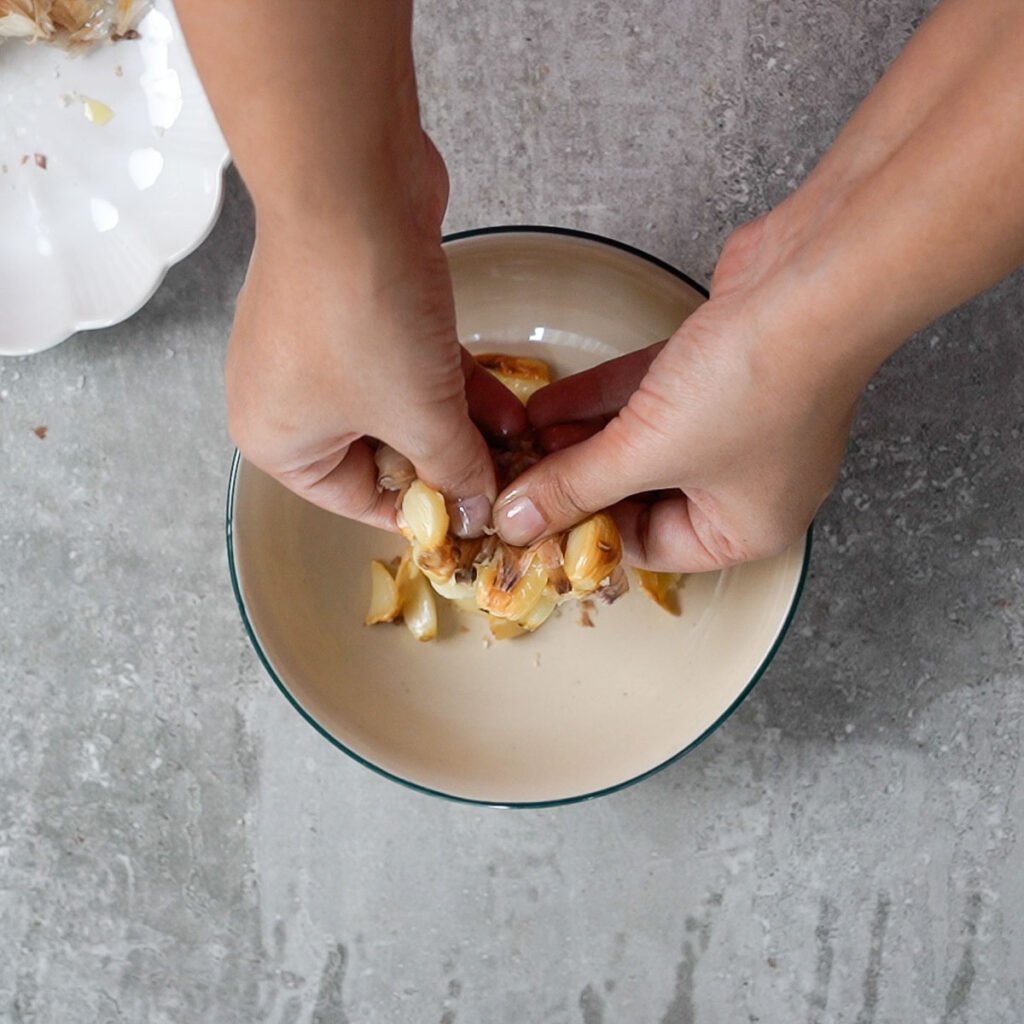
x: 919, y: 204
x: 318, y: 104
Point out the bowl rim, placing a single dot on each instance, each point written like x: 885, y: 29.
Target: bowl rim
x: 229, y: 531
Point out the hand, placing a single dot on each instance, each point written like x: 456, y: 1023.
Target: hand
x: 745, y: 436
x: 338, y: 338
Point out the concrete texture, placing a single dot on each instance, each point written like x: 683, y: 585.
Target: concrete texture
x: 177, y: 846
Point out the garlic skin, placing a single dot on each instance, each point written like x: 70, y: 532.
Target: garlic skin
x: 394, y: 471
x: 73, y: 24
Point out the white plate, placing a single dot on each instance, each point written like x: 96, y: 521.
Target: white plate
x: 559, y: 715
x: 86, y: 240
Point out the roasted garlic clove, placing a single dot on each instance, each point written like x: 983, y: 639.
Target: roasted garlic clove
x: 419, y: 610
x: 385, y: 602
x: 521, y: 375
x: 662, y: 588
x: 541, y: 611
x: 453, y: 590
x: 423, y: 520
x: 504, y: 629
x: 517, y: 601
x: 592, y: 551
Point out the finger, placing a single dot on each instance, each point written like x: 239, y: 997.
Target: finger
x: 346, y: 484
x: 570, y: 484
x: 449, y: 453
x: 661, y: 536
x: 600, y: 391
x: 562, y: 435
x: 495, y: 410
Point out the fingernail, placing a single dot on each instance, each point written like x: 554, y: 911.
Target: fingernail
x: 470, y: 515
x: 518, y: 521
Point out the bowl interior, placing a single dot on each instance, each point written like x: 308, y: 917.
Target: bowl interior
x: 562, y: 714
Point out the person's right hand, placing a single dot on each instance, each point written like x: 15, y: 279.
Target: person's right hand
x: 340, y: 337
x: 730, y: 417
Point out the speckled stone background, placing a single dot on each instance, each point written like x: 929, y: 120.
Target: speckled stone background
x: 177, y: 846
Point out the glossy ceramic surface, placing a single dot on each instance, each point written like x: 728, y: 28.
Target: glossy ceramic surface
x: 568, y: 712
x: 92, y: 214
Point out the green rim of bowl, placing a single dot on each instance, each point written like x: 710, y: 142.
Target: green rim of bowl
x: 562, y: 801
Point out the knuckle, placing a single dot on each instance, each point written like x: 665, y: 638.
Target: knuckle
x: 460, y: 468
x: 737, y: 532
x: 561, y: 497
x: 729, y: 547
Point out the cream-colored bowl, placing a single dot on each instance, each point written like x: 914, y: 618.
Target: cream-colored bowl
x: 569, y: 712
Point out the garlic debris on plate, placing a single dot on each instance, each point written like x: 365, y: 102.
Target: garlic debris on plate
x: 97, y: 111
x: 71, y: 23
x: 517, y: 588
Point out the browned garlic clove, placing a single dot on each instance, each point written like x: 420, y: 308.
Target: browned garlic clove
x: 521, y: 375
x: 662, y: 588
x: 592, y: 551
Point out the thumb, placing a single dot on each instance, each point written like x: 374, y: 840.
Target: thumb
x: 570, y: 484
x: 450, y: 454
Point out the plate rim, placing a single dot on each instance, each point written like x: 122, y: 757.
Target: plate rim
x: 783, y: 630
x: 79, y: 325
x: 170, y: 261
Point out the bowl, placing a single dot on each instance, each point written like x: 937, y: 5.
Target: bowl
x: 561, y: 715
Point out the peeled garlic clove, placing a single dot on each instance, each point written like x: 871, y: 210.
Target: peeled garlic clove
x: 385, y: 603
x: 522, y: 376
x: 453, y: 590
x: 541, y: 611
x: 504, y: 629
x: 661, y: 587
x: 592, y: 551
x: 419, y: 610
x: 424, y: 519
x: 97, y: 111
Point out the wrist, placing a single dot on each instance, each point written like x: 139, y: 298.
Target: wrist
x: 391, y: 213
x: 830, y: 300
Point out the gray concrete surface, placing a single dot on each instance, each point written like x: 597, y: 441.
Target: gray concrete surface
x: 176, y: 845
